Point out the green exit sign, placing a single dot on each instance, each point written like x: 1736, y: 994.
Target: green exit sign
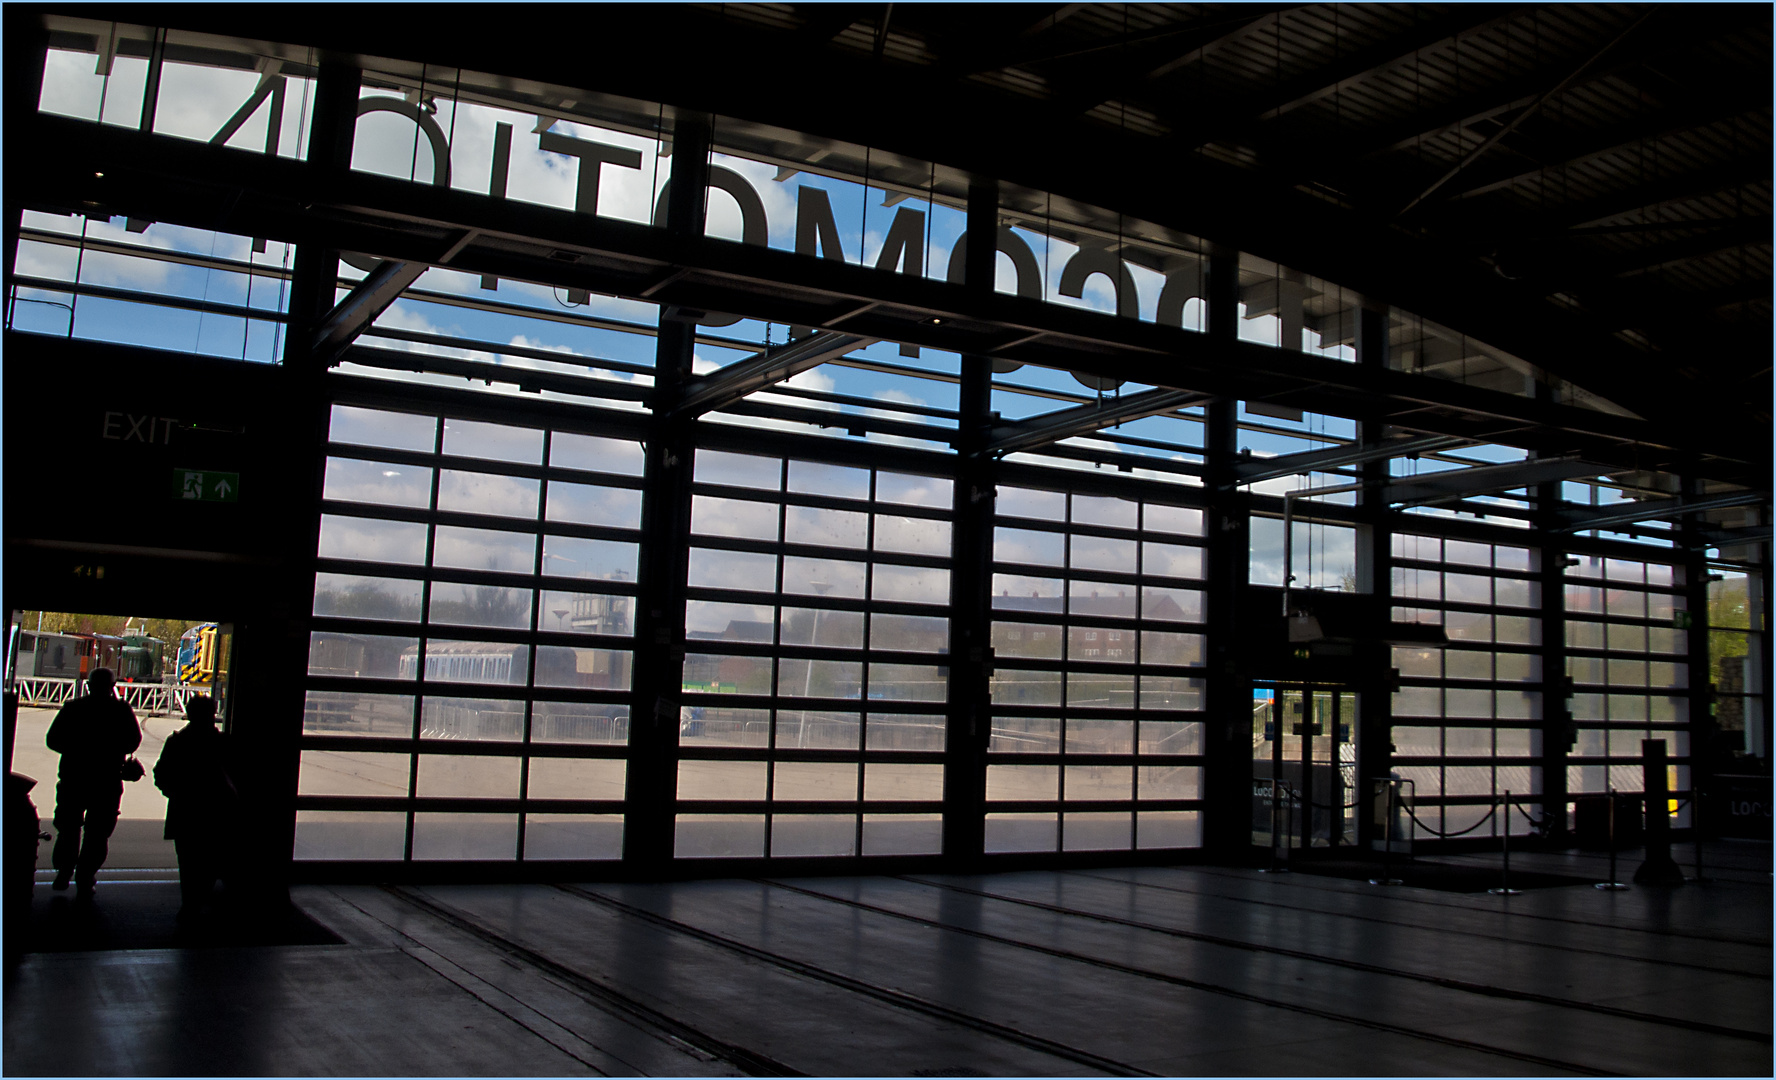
x: 200, y: 485
x: 1681, y: 620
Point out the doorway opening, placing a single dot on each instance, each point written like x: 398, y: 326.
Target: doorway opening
x: 159, y: 663
x: 1304, y: 767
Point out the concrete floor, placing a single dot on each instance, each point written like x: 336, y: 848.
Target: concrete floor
x: 1157, y: 971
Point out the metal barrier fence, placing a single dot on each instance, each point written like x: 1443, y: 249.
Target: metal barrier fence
x: 150, y: 698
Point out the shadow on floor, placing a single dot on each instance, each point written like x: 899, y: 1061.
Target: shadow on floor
x: 140, y: 915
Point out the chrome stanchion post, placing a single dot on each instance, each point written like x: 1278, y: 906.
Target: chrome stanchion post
x: 1387, y: 849
x: 1612, y: 884
x: 1504, y: 888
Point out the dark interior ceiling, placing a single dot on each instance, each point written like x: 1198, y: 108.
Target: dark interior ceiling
x: 1584, y: 185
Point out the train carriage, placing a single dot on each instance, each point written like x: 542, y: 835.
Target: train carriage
x: 41, y: 654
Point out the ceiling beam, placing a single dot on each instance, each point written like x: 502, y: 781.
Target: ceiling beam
x: 1053, y: 17
x: 1606, y: 278
x: 1582, y: 518
x: 1530, y: 110
x: 1384, y: 56
x: 1504, y: 225
x: 1310, y: 461
x: 1717, y: 107
x: 1219, y: 35
x: 762, y: 370
x: 369, y: 298
x: 381, y: 287
x: 1084, y: 419
x: 1740, y: 292
x: 1679, y: 30
x: 1750, y: 231
x: 827, y: 21
x: 1683, y: 187
x: 1237, y: 120
x: 994, y: 48
x: 1122, y: 67
x: 1438, y: 487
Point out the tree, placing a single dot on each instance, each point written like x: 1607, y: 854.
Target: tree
x: 68, y: 622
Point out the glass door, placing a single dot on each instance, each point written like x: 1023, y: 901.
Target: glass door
x: 1304, y: 783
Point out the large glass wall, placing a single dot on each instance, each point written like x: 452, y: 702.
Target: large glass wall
x: 1627, y: 658
x: 470, y: 659
x: 1097, y: 687
x: 472, y: 642
x: 1468, y: 718
x: 815, y: 673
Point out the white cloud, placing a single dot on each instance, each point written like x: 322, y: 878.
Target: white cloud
x: 898, y: 397
x: 812, y: 379
x: 523, y: 342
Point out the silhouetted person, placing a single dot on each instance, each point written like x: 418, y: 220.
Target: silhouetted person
x: 201, y: 799
x: 94, y: 734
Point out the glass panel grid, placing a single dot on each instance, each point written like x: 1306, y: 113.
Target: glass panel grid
x: 1468, y: 717
x: 817, y: 631
x: 494, y: 638
x: 1627, y: 640
x: 1098, y: 678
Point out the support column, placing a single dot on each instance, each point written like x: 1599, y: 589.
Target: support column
x: 665, y: 530
x: 1559, y: 732
x: 1227, y: 777
x: 267, y: 686
x: 314, y: 278
x: 1375, y: 573
x: 969, y: 720
x: 1706, y: 749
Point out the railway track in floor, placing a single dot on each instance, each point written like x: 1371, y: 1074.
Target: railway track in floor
x: 742, y: 1058
x: 1072, y: 1053
x: 752, y: 1063
x: 1479, y: 935
x: 1462, y: 985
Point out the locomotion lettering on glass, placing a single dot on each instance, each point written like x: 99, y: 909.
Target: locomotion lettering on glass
x: 476, y: 133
